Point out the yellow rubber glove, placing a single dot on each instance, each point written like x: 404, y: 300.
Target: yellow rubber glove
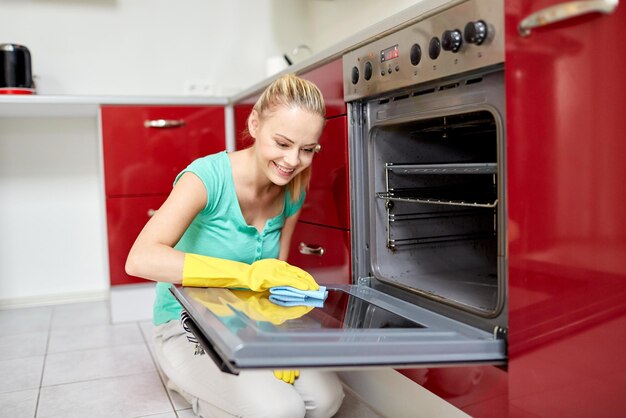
x: 287, y: 376
x: 204, y: 271
x: 258, y: 307
x: 254, y: 305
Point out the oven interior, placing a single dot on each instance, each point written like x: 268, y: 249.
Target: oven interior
x: 436, y: 198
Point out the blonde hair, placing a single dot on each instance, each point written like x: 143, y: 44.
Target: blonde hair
x: 292, y: 91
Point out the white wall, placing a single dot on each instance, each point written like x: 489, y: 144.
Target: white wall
x: 149, y: 47
x: 334, y: 20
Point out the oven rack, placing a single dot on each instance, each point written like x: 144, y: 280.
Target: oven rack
x: 439, y: 185
x: 390, y: 196
x: 416, y: 216
x: 396, y: 243
x: 464, y: 168
x: 432, y: 195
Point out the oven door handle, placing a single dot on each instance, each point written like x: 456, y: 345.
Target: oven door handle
x: 565, y: 11
x: 308, y: 249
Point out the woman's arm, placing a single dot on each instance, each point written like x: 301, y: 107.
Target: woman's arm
x: 286, y: 234
x: 152, y: 256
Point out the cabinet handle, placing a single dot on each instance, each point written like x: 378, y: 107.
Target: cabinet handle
x: 311, y: 250
x: 151, y: 213
x: 565, y: 11
x: 164, y: 123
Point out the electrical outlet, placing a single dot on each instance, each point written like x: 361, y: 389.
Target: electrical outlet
x: 198, y: 88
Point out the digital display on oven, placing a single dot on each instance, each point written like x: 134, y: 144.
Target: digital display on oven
x: 389, y: 53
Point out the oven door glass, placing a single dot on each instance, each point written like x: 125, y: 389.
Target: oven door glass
x: 356, y: 326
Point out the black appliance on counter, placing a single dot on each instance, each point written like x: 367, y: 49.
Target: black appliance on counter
x: 15, y: 70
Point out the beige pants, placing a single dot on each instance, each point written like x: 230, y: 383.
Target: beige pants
x: 213, y: 394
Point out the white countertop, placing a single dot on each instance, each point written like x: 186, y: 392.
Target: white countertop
x: 85, y: 106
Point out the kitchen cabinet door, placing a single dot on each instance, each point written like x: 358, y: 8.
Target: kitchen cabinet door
x: 241, y: 112
x: 329, y: 79
x: 566, y: 227
x: 328, y: 197
x: 126, y: 217
x: 145, y: 147
x: 323, y: 252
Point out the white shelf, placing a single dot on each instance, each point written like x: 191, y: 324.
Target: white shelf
x: 87, y: 106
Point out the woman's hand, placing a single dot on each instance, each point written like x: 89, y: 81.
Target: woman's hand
x: 254, y: 305
x: 205, y: 271
x: 287, y: 376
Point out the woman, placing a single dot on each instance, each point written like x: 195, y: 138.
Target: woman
x: 228, y: 222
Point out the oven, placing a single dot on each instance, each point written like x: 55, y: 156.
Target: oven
x: 428, y: 208
x: 427, y: 160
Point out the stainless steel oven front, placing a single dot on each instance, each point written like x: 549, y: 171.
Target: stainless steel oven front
x: 426, y: 138
x: 427, y: 146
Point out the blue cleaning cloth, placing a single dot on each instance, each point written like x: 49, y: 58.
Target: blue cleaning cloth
x: 290, y: 296
x: 316, y: 303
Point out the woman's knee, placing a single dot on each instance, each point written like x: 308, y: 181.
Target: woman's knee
x: 328, y: 403
x: 288, y: 407
x: 327, y: 397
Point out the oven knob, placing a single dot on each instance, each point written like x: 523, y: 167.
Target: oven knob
x: 367, y: 73
x: 416, y: 54
x: 355, y: 75
x: 451, y: 40
x: 434, y: 48
x: 475, y: 32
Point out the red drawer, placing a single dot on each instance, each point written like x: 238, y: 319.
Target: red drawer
x: 323, y: 252
x: 328, y: 199
x: 126, y: 217
x: 140, y: 160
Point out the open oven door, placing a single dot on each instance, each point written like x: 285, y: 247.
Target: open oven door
x: 356, y: 327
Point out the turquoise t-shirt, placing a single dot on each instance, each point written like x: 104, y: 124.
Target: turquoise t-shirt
x: 220, y: 230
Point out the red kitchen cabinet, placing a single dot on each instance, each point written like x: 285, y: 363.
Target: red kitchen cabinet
x: 480, y: 391
x: 328, y: 196
x: 241, y: 112
x: 323, y: 252
x: 321, y: 240
x: 126, y: 216
x: 566, y: 226
x: 144, y: 148
x: 328, y: 78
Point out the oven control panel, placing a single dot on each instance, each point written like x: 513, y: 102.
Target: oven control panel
x: 462, y: 38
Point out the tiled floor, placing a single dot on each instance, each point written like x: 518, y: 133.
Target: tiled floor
x: 69, y: 361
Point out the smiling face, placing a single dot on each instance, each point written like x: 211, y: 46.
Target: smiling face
x: 286, y: 138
